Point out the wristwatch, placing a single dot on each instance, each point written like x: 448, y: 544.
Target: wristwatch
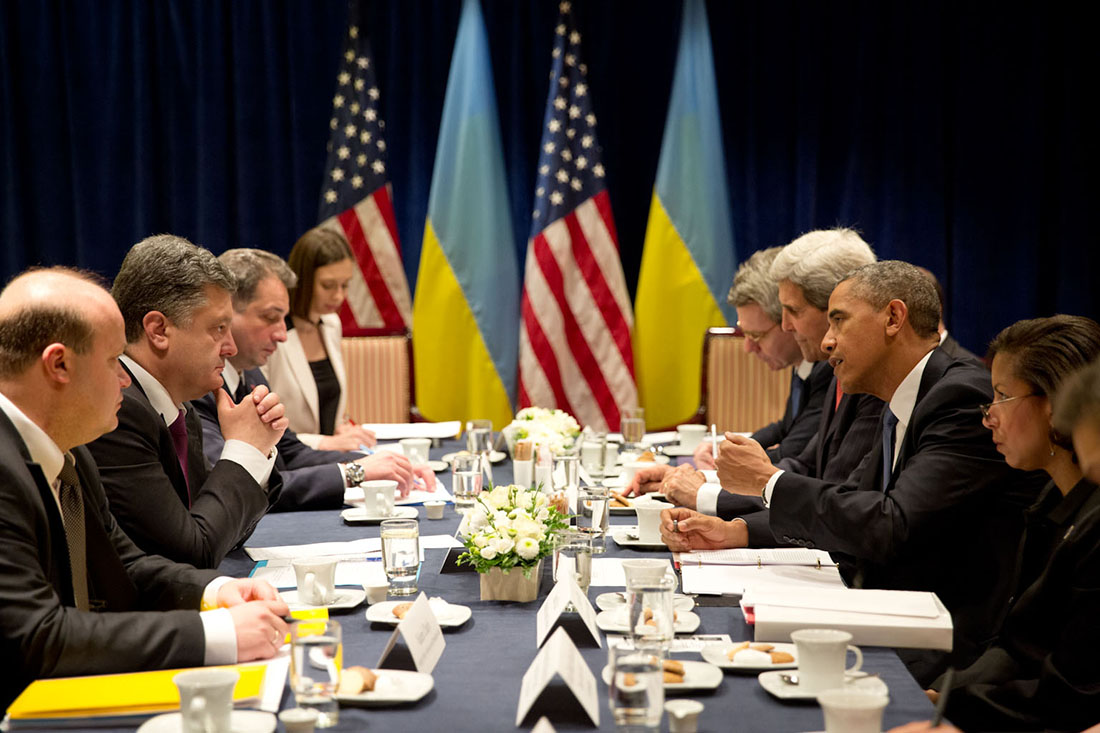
x: 354, y: 473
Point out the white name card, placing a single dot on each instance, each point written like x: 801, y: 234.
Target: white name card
x: 565, y: 591
x: 421, y: 635
x: 543, y: 726
x: 559, y: 656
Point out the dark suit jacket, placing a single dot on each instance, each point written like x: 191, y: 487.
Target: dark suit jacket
x: 311, y: 478
x: 41, y: 634
x: 957, y: 350
x: 149, y: 496
x: 844, y: 437
x: 1041, y: 673
x: 791, y: 433
x: 950, y: 518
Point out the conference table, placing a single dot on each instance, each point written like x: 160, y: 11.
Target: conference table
x: 477, y: 680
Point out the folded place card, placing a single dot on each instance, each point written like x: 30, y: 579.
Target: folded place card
x: 543, y: 726
x: 559, y: 656
x: 565, y: 591
x: 417, y: 642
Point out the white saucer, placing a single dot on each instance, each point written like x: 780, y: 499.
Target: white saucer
x: 615, y: 622
x: 771, y: 682
x: 452, y: 614
x: 393, y: 687
x: 358, y: 515
x: 495, y: 456
x: 621, y: 534
x: 678, y: 450
x: 241, y: 721
x: 437, y: 466
x: 345, y: 598
x: 716, y: 655
x: 621, y: 509
x: 697, y: 676
x: 617, y: 599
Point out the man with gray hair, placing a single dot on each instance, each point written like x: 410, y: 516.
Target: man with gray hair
x: 312, y: 479
x: 933, y: 506
x: 176, y: 300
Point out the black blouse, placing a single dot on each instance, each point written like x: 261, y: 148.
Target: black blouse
x: 328, y: 393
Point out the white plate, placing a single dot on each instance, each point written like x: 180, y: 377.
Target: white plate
x: 697, y: 676
x: 241, y: 721
x: 345, y: 598
x: 617, y: 599
x: 614, y: 482
x: 451, y: 615
x: 622, y: 536
x: 771, y: 682
x: 495, y: 456
x: 437, y: 466
x: 621, y: 509
x: 615, y: 622
x: 678, y: 450
x: 716, y: 655
x: 394, y: 686
x: 358, y: 515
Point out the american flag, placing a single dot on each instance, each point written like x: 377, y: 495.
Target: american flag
x: 356, y: 196
x: 574, y: 350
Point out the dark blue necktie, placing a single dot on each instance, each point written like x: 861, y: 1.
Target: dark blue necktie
x: 889, y: 422
x: 796, y: 394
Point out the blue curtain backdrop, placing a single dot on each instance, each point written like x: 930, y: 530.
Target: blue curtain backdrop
x: 952, y: 135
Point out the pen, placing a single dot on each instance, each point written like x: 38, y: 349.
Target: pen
x: 714, y: 441
x: 941, y: 703
x: 363, y: 448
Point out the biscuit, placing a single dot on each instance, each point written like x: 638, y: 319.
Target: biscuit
x: 647, y: 457
x: 401, y: 609
x: 629, y: 679
x: 671, y: 665
x: 672, y: 677
x: 738, y: 647
x: 781, y: 657
x: 762, y: 647
x: 354, y: 680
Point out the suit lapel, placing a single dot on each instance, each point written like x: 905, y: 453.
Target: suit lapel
x: 166, y: 451
x: 303, y: 375
x: 933, y: 371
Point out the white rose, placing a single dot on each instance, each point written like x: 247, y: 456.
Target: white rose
x: 527, y: 548
x: 502, y: 545
x: 543, y: 514
x: 499, y: 497
x: 488, y: 553
x: 527, y: 527
x: 481, y: 540
x: 524, y: 499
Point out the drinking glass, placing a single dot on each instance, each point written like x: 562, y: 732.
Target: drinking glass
x: 401, y: 554
x: 479, y: 440
x: 650, y: 615
x: 316, y: 658
x: 466, y: 480
x: 592, y: 513
x: 592, y: 454
x: 632, y: 427
x: 637, y: 694
x: 570, y: 465
x: 573, y: 553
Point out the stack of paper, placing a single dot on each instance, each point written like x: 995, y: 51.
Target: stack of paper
x: 873, y: 617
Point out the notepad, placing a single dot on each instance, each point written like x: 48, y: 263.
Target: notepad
x: 753, y: 556
x: 57, y: 700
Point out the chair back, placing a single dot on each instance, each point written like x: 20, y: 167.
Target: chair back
x: 380, y: 382
x: 739, y: 392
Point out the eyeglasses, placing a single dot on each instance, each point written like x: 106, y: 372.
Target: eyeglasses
x: 989, y: 405
x: 756, y: 336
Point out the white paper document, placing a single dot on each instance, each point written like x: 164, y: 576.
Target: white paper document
x: 559, y: 656
x: 397, y: 430
x: 719, y: 579
x: 348, y: 572
x: 351, y: 550
x: 421, y: 633
x: 680, y: 644
x: 565, y: 591
x: 609, y: 571
x: 354, y: 495
x: 761, y: 556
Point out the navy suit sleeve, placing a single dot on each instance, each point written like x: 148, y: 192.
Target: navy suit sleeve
x: 791, y: 435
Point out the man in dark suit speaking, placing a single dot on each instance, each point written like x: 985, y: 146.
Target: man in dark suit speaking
x: 312, y: 479
x: 933, y: 506
x: 76, y: 595
x: 176, y: 301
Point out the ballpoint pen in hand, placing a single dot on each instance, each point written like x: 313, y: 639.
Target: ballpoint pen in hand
x: 714, y: 441
x: 945, y: 690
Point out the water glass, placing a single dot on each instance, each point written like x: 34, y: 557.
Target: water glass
x: 401, y: 555
x: 592, y: 454
x: 573, y: 553
x: 569, y: 464
x: 592, y: 514
x: 637, y: 693
x: 479, y: 440
x: 650, y: 615
x: 466, y: 480
x: 316, y: 658
x: 632, y: 426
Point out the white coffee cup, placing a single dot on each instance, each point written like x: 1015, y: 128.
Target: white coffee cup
x: 632, y: 468
x: 299, y: 720
x: 683, y: 715
x: 316, y: 581
x: 691, y: 435
x: 853, y: 711
x: 206, y: 699
x: 821, y: 656
x: 376, y: 584
x: 378, y: 497
x: 523, y: 473
x: 648, y: 570
x: 416, y: 449
x: 434, y: 509
x: 649, y: 519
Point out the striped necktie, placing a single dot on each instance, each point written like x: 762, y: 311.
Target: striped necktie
x: 72, y: 517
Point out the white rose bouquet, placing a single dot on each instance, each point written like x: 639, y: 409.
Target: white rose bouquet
x: 509, y: 527
x: 553, y: 428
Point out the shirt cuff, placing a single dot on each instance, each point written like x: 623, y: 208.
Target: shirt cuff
x: 710, y: 475
x: 251, y: 459
x: 221, y: 637
x: 770, y: 487
x: 210, y: 592
x: 706, y: 500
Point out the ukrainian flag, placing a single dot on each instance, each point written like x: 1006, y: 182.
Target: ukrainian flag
x: 466, y: 309
x: 688, y: 260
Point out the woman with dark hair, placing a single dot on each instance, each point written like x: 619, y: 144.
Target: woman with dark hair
x: 1042, y: 670
x: 307, y: 372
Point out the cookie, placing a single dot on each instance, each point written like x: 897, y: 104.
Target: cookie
x: 739, y: 647
x: 781, y: 657
x: 762, y: 647
x: 671, y: 665
x: 401, y: 609
x: 673, y: 678
x: 354, y: 680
